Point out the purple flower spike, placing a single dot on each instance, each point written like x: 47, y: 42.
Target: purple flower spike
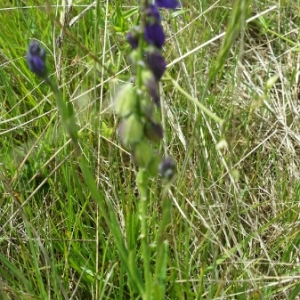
x: 154, y: 35
x: 156, y: 63
x: 172, y: 4
x: 36, y: 59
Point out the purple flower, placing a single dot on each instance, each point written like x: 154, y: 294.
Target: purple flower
x: 153, y: 31
x: 36, y: 59
x: 156, y: 63
x: 154, y: 35
x: 172, y: 4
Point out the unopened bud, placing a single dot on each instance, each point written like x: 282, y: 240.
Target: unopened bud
x: 125, y: 100
x: 131, y: 130
x: 167, y: 168
x: 142, y: 154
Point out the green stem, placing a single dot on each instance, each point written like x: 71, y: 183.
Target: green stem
x: 142, y: 184
x: 142, y: 179
x: 162, y: 251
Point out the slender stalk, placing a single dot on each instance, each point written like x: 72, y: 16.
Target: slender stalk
x: 142, y: 179
x: 162, y: 250
x: 142, y: 184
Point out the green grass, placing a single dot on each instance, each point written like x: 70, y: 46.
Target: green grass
x: 71, y: 228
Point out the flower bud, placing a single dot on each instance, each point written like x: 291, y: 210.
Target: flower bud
x: 131, y: 130
x: 154, y: 33
x: 151, y: 85
x: 153, y: 15
x: 134, y: 57
x: 36, y: 59
x: 125, y: 100
x: 156, y: 62
x: 152, y: 168
x: 167, y: 168
x: 142, y: 154
x: 153, y: 131
x: 133, y: 37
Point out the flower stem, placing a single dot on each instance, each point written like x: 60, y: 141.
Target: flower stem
x: 142, y: 179
x: 142, y: 184
x: 159, y: 286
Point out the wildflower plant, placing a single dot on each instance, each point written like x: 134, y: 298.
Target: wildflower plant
x: 137, y: 104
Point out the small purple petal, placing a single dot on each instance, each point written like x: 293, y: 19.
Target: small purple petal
x: 154, y: 35
x: 38, y: 63
x: 156, y: 64
x: 172, y: 4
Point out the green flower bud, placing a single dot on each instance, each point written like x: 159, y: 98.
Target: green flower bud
x: 131, y: 130
x: 142, y: 154
x: 125, y: 100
